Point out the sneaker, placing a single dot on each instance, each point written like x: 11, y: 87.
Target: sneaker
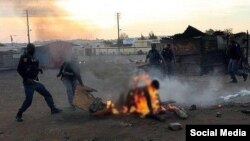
x: 19, y: 117
x: 55, y: 111
x: 245, y: 77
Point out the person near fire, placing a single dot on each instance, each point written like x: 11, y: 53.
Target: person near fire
x: 28, y: 68
x: 144, y: 91
x: 168, y: 56
x: 70, y: 76
x: 235, y: 58
x: 154, y: 57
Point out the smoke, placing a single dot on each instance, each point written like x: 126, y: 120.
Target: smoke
x: 203, y: 91
x: 50, y: 22
x: 110, y: 75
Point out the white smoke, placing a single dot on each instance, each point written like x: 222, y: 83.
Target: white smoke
x: 111, y: 76
x: 188, y: 92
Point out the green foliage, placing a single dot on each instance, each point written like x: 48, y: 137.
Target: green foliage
x: 152, y: 35
x: 210, y: 31
x: 142, y: 37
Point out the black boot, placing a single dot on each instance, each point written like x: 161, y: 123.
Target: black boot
x: 245, y: 76
x: 19, y: 116
x: 55, y: 110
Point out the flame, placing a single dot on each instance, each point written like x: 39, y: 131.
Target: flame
x: 139, y: 97
x: 111, y: 107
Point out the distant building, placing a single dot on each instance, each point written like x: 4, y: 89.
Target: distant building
x: 129, y: 41
x: 9, y: 57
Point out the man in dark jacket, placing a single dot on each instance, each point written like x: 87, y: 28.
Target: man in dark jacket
x: 235, y: 56
x: 70, y: 74
x: 168, y: 57
x: 154, y: 57
x: 28, y: 68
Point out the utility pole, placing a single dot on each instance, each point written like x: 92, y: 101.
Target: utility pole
x: 247, y: 45
x: 11, y: 40
x: 28, y: 28
x: 118, y: 29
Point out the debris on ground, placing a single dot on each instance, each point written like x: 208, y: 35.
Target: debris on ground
x: 175, y: 126
x: 66, y: 137
x: 193, y: 107
x: 245, y: 105
x: 125, y: 124
x: 168, y: 102
x: 246, y: 111
x: 181, y: 113
x: 84, y: 100
x: 161, y: 118
x: 218, y: 114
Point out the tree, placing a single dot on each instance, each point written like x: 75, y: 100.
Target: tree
x: 122, y: 37
x: 210, y: 31
x: 107, y: 42
x: 142, y: 37
x: 228, y: 31
x: 218, y: 33
x: 152, y: 35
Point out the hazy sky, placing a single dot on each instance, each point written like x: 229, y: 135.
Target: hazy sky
x: 90, y: 19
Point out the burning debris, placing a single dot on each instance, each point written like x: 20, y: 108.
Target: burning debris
x: 175, y: 126
x: 142, y: 100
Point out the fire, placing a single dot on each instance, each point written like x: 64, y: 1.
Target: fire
x: 111, y: 107
x: 142, y: 99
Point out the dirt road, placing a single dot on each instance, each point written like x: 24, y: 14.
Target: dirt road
x: 40, y: 125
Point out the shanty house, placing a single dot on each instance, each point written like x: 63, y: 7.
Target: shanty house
x: 197, y: 53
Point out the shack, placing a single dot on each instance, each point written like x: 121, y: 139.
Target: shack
x: 197, y: 53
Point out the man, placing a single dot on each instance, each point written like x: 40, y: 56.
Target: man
x: 145, y: 92
x: 235, y: 56
x: 154, y: 57
x: 70, y: 74
x: 28, y: 68
x: 168, y: 56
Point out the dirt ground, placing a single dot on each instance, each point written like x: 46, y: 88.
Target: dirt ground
x: 40, y: 125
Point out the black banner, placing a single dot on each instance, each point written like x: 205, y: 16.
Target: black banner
x: 217, y: 132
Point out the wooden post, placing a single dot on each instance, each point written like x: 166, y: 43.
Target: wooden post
x: 247, y: 46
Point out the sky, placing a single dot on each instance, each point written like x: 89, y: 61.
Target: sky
x: 91, y: 19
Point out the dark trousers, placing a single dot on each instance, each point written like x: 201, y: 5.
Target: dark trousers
x: 233, y: 68
x: 169, y: 68
x: 29, y: 92
x: 70, y: 86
